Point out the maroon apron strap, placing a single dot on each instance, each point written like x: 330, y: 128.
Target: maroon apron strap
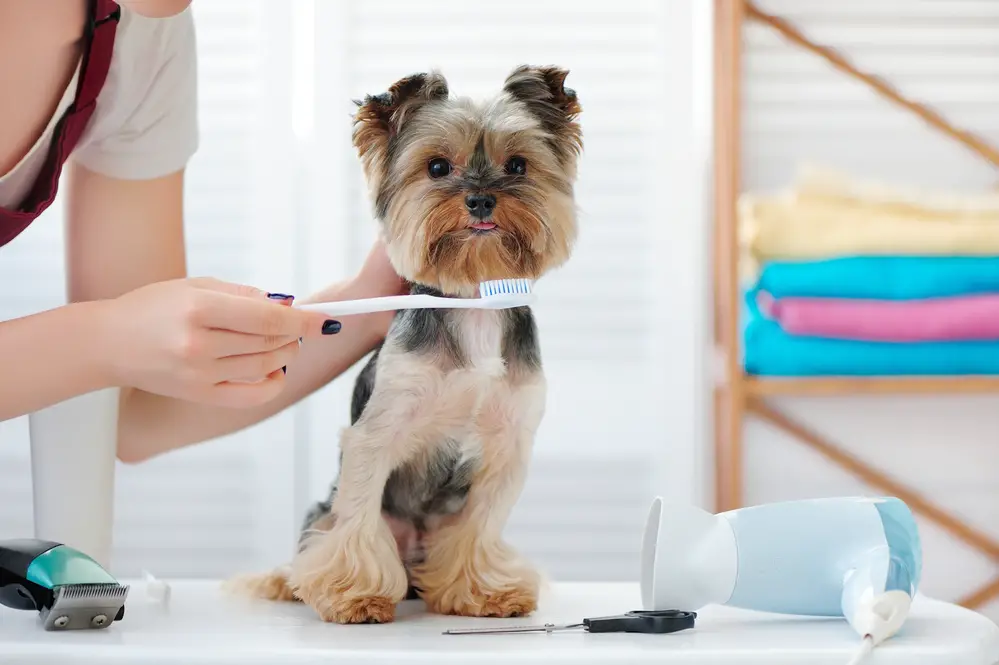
x: 98, y: 49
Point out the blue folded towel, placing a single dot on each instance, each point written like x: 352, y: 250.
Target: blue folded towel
x: 769, y: 351
x: 882, y: 277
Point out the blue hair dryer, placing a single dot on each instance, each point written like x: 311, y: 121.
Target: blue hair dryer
x: 858, y: 558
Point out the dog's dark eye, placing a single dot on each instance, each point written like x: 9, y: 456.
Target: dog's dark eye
x: 516, y: 166
x: 438, y: 167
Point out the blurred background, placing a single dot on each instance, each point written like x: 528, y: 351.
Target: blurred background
x: 797, y: 110
x: 275, y: 198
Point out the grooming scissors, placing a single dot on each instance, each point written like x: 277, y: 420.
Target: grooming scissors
x: 636, y: 621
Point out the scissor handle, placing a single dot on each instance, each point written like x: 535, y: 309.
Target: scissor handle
x: 642, y: 621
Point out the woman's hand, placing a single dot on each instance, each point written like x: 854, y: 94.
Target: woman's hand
x: 206, y: 341
x: 152, y: 424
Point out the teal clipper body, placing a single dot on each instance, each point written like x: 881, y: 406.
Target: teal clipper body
x: 70, y: 590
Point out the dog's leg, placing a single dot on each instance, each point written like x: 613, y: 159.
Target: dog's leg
x: 469, y: 570
x: 273, y: 584
x: 353, y: 573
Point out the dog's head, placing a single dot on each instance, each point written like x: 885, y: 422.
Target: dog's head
x: 468, y: 192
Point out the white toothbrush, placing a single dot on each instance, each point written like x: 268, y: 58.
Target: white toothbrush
x: 497, y: 294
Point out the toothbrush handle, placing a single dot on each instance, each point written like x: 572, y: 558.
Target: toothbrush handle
x: 382, y: 304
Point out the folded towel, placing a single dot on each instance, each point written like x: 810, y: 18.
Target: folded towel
x: 936, y: 319
x: 770, y: 351
x: 820, y: 183
x: 881, y: 277
x: 785, y: 227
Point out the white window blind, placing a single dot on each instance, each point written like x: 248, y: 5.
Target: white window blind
x: 798, y: 108
x: 275, y: 198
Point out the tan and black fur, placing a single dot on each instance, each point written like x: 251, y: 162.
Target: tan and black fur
x: 444, y: 414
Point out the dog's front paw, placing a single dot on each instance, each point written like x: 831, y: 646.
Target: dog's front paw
x: 340, y: 608
x: 349, y: 575
x: 478, y: 580
x: 472, y: 602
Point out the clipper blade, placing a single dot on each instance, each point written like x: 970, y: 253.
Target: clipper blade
x: 85, y: 606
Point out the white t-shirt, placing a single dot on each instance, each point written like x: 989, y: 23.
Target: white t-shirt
x: 145, y: 122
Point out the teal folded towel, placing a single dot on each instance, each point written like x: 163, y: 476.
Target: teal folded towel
x: 882, y: 277
x: 769, y: 351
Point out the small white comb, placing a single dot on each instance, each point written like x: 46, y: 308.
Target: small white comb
x: 495, y: 294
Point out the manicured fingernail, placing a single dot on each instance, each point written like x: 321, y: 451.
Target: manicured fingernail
x: 280, y: 296
x: 285, y: 369
x: 331, y: 327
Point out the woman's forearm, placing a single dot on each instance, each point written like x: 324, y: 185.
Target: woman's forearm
x: 50, y: 357
x: 152, y: 424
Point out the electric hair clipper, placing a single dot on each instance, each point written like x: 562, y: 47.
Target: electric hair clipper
x: 70, y: 590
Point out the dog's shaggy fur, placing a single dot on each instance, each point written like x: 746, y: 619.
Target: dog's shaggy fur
x: 445, y: 411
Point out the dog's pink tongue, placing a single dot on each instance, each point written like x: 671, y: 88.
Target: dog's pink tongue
x: 484, y: 226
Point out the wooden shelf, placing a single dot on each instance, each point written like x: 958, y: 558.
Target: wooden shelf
x: 747, y: 394
x: 862, y: 385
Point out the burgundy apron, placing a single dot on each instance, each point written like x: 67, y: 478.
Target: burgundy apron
x: 98, y: 47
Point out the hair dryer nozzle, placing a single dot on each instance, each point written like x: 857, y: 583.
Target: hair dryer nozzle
x: 689, y: 558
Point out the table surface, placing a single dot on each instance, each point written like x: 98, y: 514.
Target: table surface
x: 201, y: 625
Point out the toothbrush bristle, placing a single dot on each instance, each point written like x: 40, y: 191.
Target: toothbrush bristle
x: 499, y: 286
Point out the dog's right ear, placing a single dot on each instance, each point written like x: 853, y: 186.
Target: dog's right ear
x: 379, y: 117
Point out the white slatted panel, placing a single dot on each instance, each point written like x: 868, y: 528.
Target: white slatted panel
x: 581, y: 515
x: 798, y: 109
x: 207, y: 510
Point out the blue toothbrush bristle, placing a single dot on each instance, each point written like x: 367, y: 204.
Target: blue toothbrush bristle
x: 499, y: 286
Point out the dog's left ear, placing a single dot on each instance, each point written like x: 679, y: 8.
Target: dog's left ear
x: 379, y: 117
x: 542, y: 90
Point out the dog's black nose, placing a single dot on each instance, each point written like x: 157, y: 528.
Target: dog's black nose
x: 480, y: 205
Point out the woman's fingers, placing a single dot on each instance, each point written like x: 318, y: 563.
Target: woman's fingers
x: 219, y: 286
x: 225, y: 343
x: 256, y: 316
x: 238, y: 395
x: 254, y: 366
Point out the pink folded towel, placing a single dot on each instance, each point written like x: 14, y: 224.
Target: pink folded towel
x: 974, y: 317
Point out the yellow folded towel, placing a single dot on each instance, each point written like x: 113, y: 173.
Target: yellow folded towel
x: 817, y: 183
x: 785, y: 228
x: 826, y: 215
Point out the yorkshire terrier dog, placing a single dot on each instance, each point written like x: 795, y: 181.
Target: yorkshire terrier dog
x: 444, y: 414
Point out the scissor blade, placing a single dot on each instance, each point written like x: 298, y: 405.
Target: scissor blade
x: 547, y: 628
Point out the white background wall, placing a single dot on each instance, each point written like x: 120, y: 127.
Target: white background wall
x: 798, y: 109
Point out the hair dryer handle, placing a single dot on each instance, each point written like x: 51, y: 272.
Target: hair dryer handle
x: 877, y: 595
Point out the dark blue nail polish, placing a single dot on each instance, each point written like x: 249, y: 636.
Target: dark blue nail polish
x: 285, y: 369
x: 280, y: 296
x: 331, y: 327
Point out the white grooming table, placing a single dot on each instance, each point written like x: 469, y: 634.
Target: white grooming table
x: 201, y: 626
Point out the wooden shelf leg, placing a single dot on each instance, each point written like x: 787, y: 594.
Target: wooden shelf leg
x: 982, y: 597
x: 729, y: 397
x: 728, y: 429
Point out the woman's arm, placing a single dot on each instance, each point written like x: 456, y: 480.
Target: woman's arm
x: 50, y: 357
x: 124, y: 234
x: 57, y: 354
